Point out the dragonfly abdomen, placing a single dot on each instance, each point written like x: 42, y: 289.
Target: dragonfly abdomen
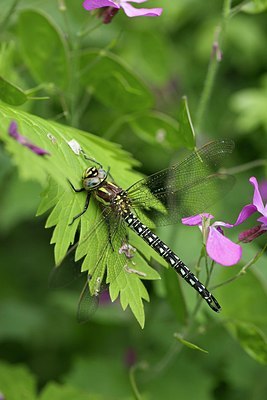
x: 172, y: 259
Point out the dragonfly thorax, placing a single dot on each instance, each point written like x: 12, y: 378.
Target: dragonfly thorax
x: 113, y: 196
x: 93, y: 178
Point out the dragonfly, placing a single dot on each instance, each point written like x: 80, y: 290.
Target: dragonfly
x: 186, y: 188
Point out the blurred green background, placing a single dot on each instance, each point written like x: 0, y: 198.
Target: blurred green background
x: 42, y: 347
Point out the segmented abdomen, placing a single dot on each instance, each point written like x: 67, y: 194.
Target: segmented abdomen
x: 175, y: 262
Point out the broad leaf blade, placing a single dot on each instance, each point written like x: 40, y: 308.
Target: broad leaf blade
x: 113, y: 83
x: 17, y: 381
x: 11, y: 94
x: 47, y: 56
x: 251, y: 338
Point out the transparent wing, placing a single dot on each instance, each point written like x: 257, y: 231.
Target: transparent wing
x: 186, y: 188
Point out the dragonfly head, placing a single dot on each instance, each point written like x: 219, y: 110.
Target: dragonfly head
x: 93, y: 177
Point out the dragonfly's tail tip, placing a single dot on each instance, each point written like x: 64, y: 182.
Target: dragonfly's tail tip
x: 214, y: 305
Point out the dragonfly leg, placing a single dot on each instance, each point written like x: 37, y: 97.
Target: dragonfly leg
x: 76, y: 190
x: 84, y: 208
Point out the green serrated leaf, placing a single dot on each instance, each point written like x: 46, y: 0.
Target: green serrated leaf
x: 186, y: 127
x: 47, y: 55
x: 188, y: 344
x: 113, y: 83
x: 11, y: 94
x: 251, y: 338
x: 17, y: 382
x: 132, y: 291
x: 63, y: 164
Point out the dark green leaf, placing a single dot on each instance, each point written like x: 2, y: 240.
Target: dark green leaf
x: 11, y: 94
x: 250, y: 296
x: 113, y: 83
x: 251, y: 338
x: 43, y: 48
x: 174, y: 294
x: 85, y: 374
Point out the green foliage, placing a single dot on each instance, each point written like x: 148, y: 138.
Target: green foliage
x: 250, y: 104
x: 11, y: 94
x: 55, y: 391
x: 60, y: 166
x: 50, y: 63
x: 186, y: 124
x: 188, y: 344
x: 112, y: 82
x: 251, y: 338
x: 17, y: 382
x: 255, y: 6
x: 124, y: 81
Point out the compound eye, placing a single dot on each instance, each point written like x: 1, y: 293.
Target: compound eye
x: 88, y: 173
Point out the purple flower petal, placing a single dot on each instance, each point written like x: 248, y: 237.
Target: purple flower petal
x: 263, y: 190
x: 218, y: 224
x: 13, y: 132
x: 196, y: 219
x: 221, y: 249
x: 130, y: 11
x: 257, y: 200
x: 133, y: 1
x: 263, y: 220
x: 94, y: 4
x: 245, y: 213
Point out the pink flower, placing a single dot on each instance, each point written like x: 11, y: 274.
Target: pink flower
x: 13, y: 132
x: 219, y: 248
x: 263, y: 189
x: 110, y: 8
x: 256, y: 206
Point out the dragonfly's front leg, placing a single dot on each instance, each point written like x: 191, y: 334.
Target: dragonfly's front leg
x: 85, y: 205
x: 76, y: 190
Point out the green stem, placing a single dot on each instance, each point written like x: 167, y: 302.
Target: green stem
x: 133, y: 369
x: 243, y: 270
x: 244, y: 167
x: 88, y: 29
x: 213, y: 65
